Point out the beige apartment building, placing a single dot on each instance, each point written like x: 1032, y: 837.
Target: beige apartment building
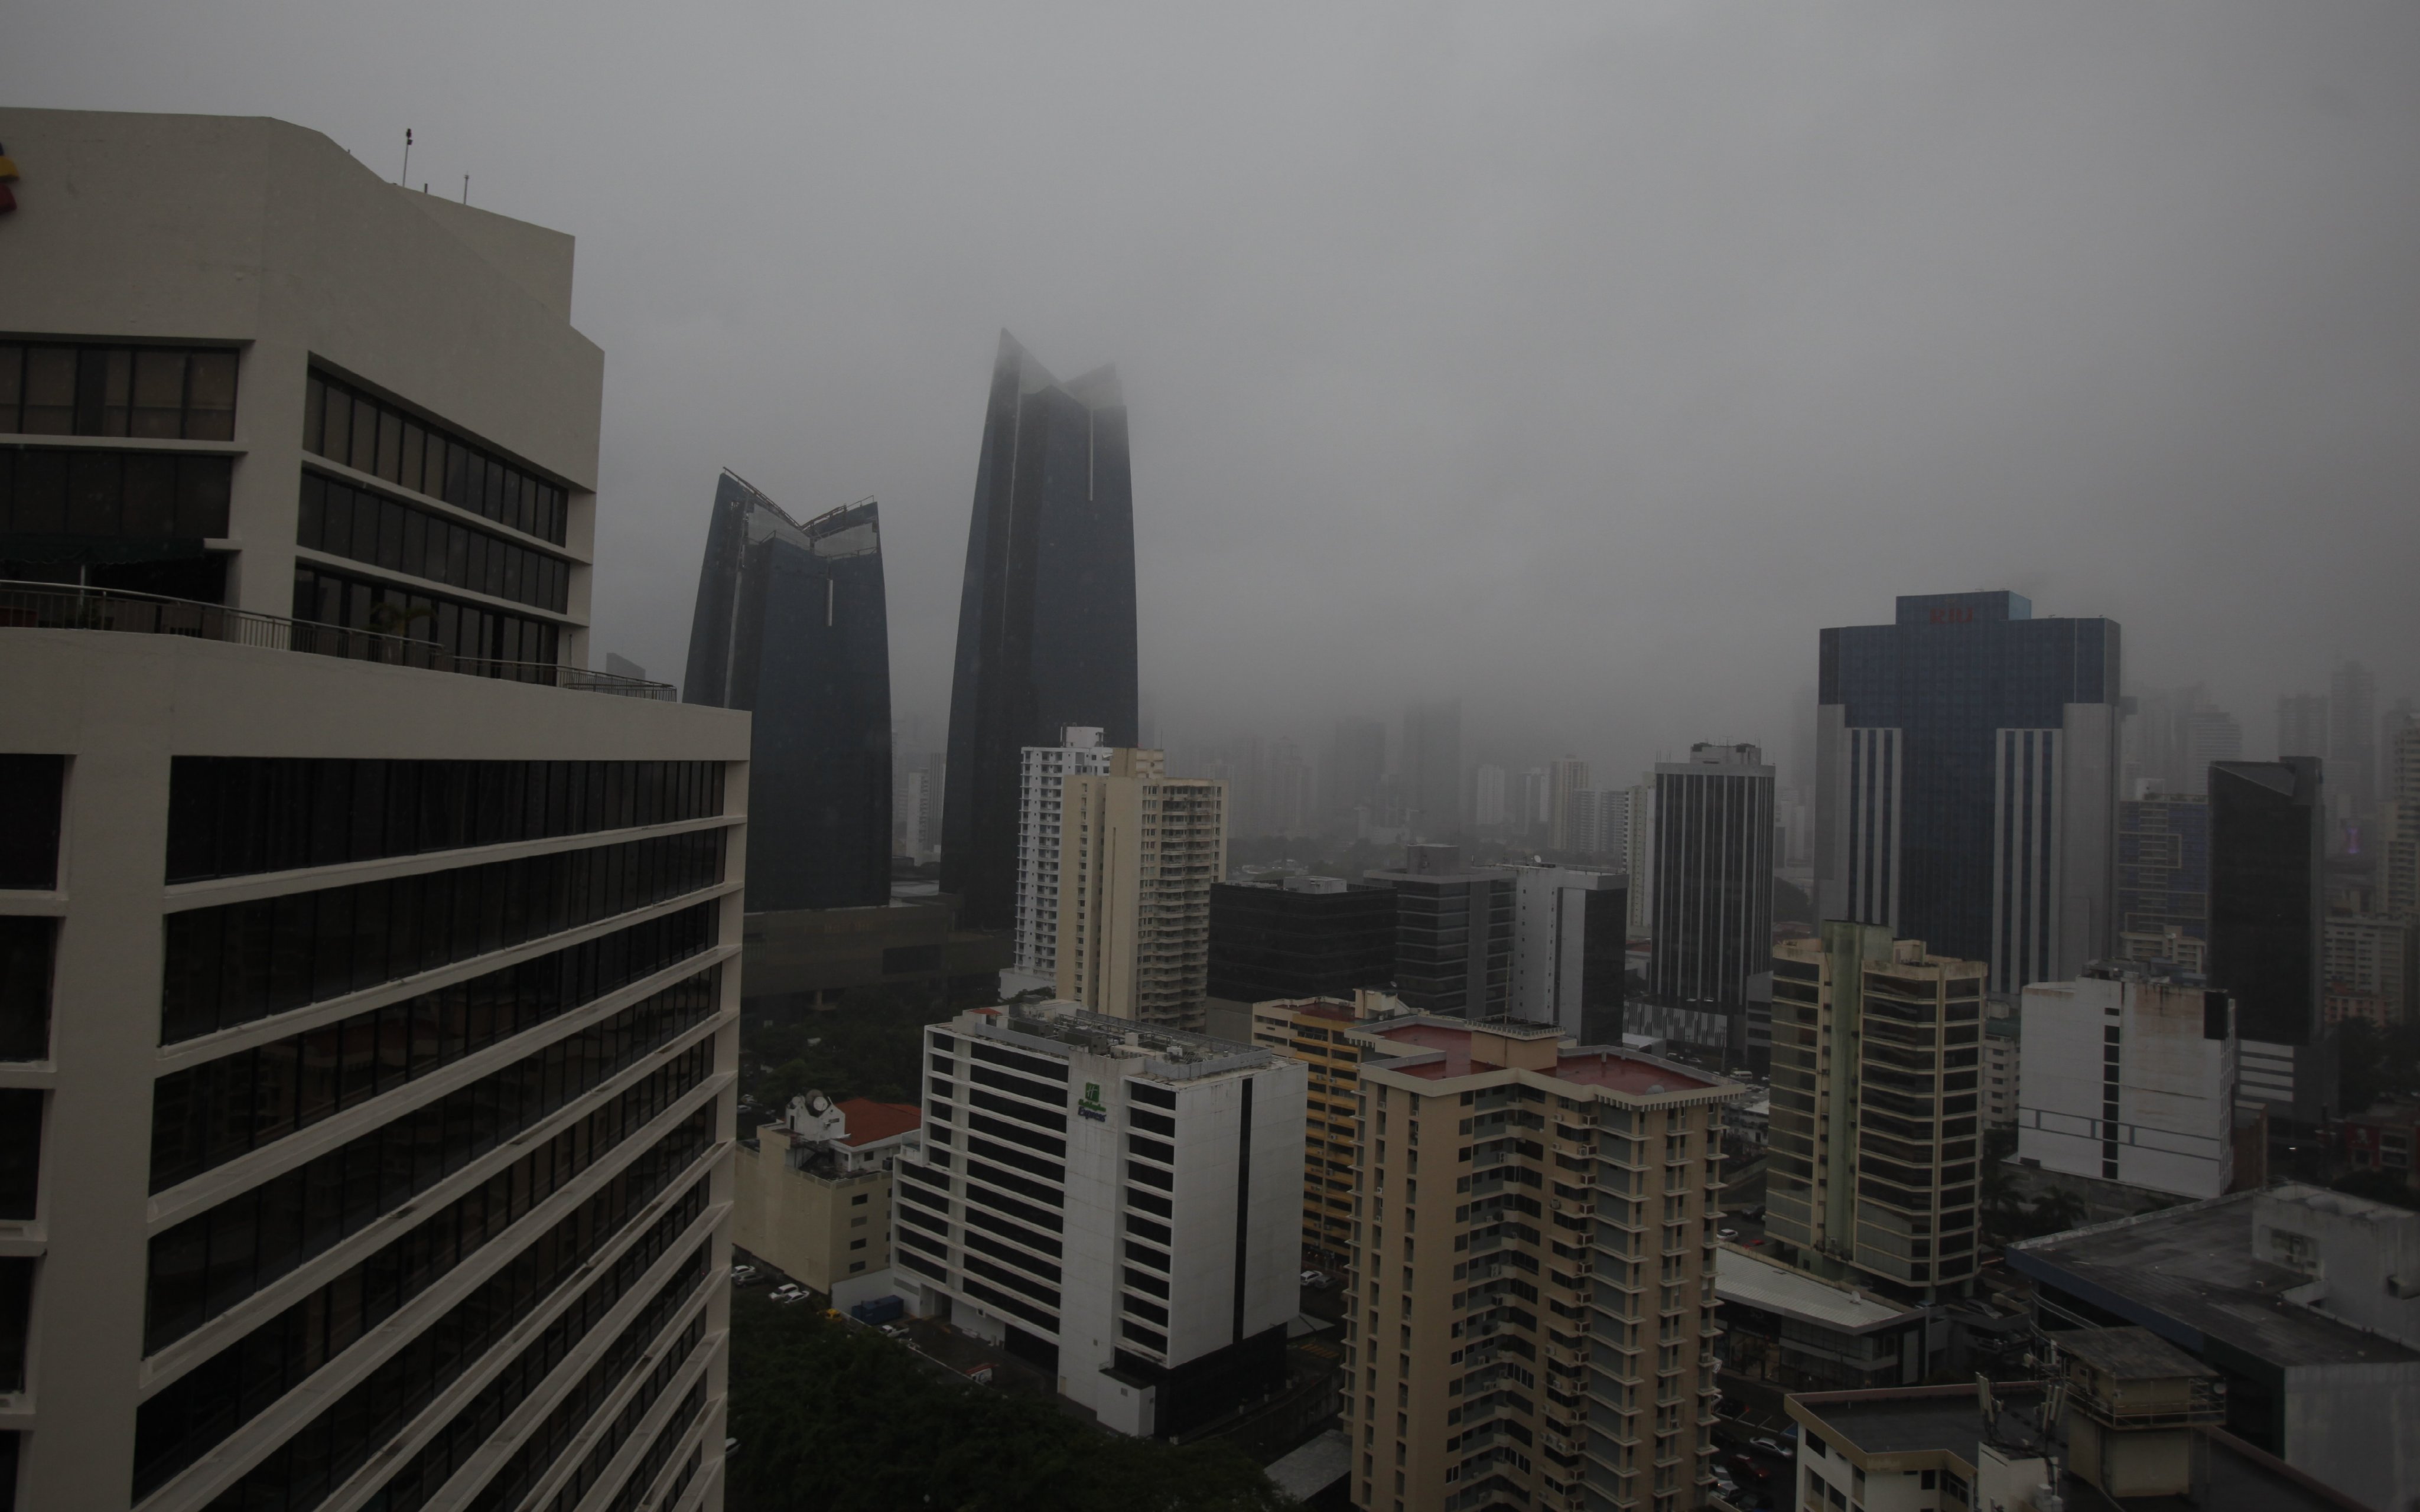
x: 812, y: 1193
x: 1329, y: 1036
x: 365, y: 1137
x: 1877, y: 1058
x: 1538, y: 1330
x: 1139, y: 851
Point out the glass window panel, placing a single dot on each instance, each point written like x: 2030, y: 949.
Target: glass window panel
x: 209, y: 395
x: 12, y: 378
x: 151, y: 495
x: 203, y: 486
x: 159, y: 392
x: 415, y: 442
x: 492, y: 497
x: 41, y: 505
x: 474, y: 572
x: 95, y: 482
x: 366, y: 419
x: 312, y: 514
x: 50, y: 390
x: 390, y: 453
x: 315, y: 411
x: 512, y: 583
x: 91, y: 389
x: 336, y: 439
x: 116, y: 378
x: 415, y: 543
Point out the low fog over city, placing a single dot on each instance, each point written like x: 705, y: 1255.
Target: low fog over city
x: 1579, y: 363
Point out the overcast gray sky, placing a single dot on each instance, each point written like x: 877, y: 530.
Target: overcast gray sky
x: 1579, y: 360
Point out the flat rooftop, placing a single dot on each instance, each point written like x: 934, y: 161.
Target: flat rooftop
x: 2189, y: 1275
x: 1913, y: 1420
x: 1616, y: 1071
x: 1768, y: 1286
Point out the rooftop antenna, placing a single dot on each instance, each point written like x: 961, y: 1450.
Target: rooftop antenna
x: 399, y: 178
x: 466, y: 188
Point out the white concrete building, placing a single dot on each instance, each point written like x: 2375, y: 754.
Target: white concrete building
x: 1638, y: 856
x: 1569, y: 949
x: 1121, y: 1203
x: 1041, y: 792
x: 2128, y: 1079
x: 2003, y: 1064
x: 372, y: 1141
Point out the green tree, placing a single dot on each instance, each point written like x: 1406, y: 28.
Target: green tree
x: 832, y: 1418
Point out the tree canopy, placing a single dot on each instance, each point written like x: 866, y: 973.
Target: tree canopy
x: 835, y: 1418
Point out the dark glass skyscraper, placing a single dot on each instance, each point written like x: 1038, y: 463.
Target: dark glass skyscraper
x: 791, y: 625
x: 1713, y: 882
x: 1047, y: 618
x: 1966, y: 783
x: 2268, y: 827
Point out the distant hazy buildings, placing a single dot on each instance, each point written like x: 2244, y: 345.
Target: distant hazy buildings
x: 790, y: 625
x: 1047, y: 614
x: 1713, y: 880
x: 2303, y: 725
x: 2210, y: 735
x: 1042, y: 781
x: 1571, y: 945
x: 2371, y: 968
x: 2402, y: 828
x: 2164, y: 879
x: 1138, y: 852
x: 1967, y: 754
x: 2267, y: 826
x: 1491, y: 808
x: 1638, y: 856
x: 1433, y: 770
x: 2127, y: 1078
x: 1454, y: 933
x: 1566, y: 779
x: 2352, y: 739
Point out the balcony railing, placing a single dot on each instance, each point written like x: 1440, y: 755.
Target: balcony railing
x: 66, y: 607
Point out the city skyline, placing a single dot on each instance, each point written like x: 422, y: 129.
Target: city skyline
x: 1677, y: 470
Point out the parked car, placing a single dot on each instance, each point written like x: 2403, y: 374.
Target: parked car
x: 1751, y: 1465
x: 1727, y: 1233
x: 1771, y: 1446
x: 788, y: 1291
x: 1314, y: 1280
x: 894, y: 1330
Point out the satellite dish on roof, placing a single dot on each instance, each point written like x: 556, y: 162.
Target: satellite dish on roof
x: 818, y: 1104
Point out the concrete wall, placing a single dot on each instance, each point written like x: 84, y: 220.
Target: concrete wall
x: 119, y: 707
x: 803, y: 1225
x: 291, y: 248
x: 2350, y: 1425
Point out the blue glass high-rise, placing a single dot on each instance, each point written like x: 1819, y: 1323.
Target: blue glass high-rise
x: 791, y: 624
x: 1047, y: 616
x: 1966, y: 783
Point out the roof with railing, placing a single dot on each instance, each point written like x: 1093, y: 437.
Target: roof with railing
x: 67, y: 606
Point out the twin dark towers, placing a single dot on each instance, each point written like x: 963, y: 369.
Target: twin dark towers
x: 791, y: 624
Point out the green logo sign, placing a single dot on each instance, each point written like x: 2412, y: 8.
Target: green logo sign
x: 1090, y: 1105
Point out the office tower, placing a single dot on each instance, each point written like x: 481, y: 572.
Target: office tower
x: 1322, y: 1032
x: 2210, y: 735
x: 1433, y: 770
x: 1612, y: 822
x: 811, y: 1193
x: 1713, y: 881
x: 790, y: 625
x: 1571, y: 945
x: 2267, y: 826
x: 2352, y: 743
x: 367, y: 1132
x: 1352, y: 768
x: 1539, y: 1331
x: 921, y: 832
x: 2402, y: 880
x: 1047, y: 616
x: 1042, y: 788
x: 1968, y: 782
x: 1454, y: 933
x: 1138, y: 855
x: 1537, y: 802
x: 1297, y: 937
x: 2163, y: 878
x: 2303, y: 728
x: 2130, y: 1078
x: 1490, y: 807
x: 1119, y: 1203
x: 1639, y: 857
x: 2370, y: 968
x: 1566, y: 780
x: 1875, y: 1051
